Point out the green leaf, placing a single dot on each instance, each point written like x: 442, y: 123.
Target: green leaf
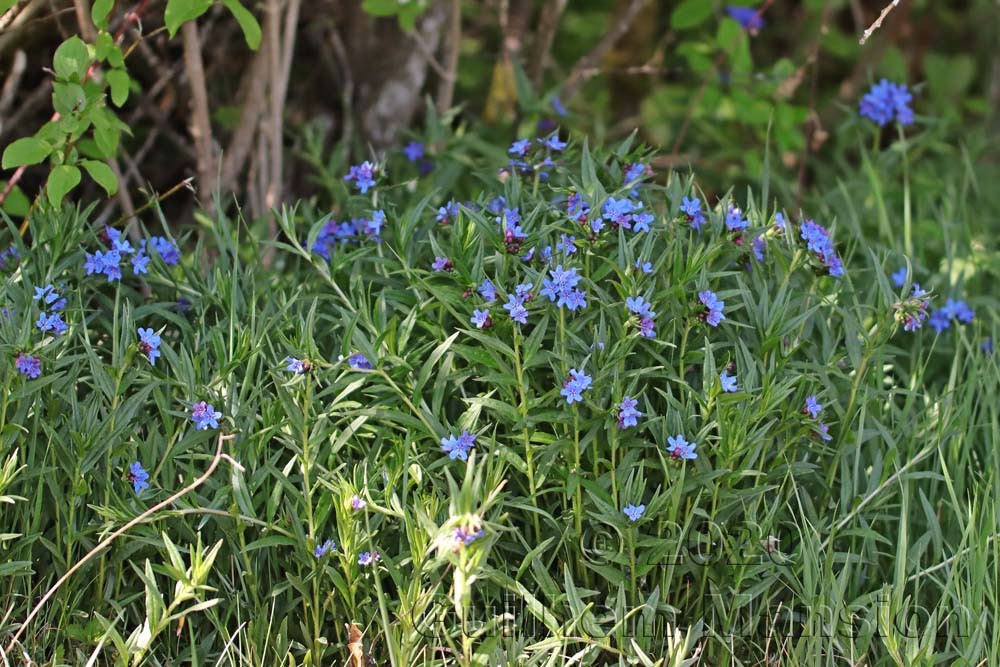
x: 68, y: 98
x: 99, y: 12
x: 72, y: 58
x: 690, y: 13
x: 182, y: 11
x: 119, y: 82
x: 5, y: 5
x: 17, y: 203
x: 381, y: 7
x: 103, y: 46
x: 107, y: 139
x: 248, y: 23
x: 61, y: 181
x: 24, y: 152
x: 102, y: 175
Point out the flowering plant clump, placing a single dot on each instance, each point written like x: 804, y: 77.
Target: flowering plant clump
x: 534, y: 377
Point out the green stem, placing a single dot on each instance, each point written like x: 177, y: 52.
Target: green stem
x: 529, y: 456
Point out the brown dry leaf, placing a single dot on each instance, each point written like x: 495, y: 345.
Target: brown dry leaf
x: 354, y: 645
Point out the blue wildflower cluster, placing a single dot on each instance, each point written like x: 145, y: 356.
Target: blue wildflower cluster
x: 138, y: 477
x: 819, y: 243
x: 457, y: 447
x: 887, y: 101
x: 813, y: 408
x: 634, y: 512
x: 362, y: 176
x: 529, y: 158
x: 297, y: 366
x: 516, y: 305
x: 355, y: 230
x: 149, y: 344
x: 28, y: 365
x: 8, y: 257
x: 680, y: 449
x: 109, y: 262
x: 368, y: 558
x: 561, y: 287
x: 691, y: 208
x: 442, y: 264
x: 623, y: 213
x: 414, y: 152
x: 942, y: 318
x: 448, y: 213
x: 49, y: 300
x: 577, y: 383
x: 638, y: 306
x: 205, y: 416
x: 628, y: 414
x: 324, y: 548
x: 727, y: 382
x: 713, y: 307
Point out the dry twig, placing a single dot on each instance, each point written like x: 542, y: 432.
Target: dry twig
x: 878, y: 22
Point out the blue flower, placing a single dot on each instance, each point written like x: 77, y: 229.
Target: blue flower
x: 518, y: 312
x: 885, y: 101
x: 53, y: 323
x: 138, y: 477
x: 644, y: 267
x: 692, y: 209
x: 367, y: 558
x: 952, y: 309
x: 45, y: 294
x: 680, y: 448
x: 294, y: 365
x: 899, y: 277
x: 149, y: 344
x: 647, y: 327
x: 448, y: 213
x: 620, y: 212
x: 566, y: 244
x: 713, y: 308
x: 324, y: 548
x: 373, y: 227
x: 747, y: 17
x: 728, y: 382
x: 627, y: 413
x: 465, y: 536
x: 166, y: 249
x: 574, y: 387
x: 779, y: 222
x: 362, y: 176
x: 759, y: 247
x: 28, y: 365
x: 560, y: 287
x: 205, y: 416
x: 359, y: 362
x: 635, y: 172
x: 818, y: 241
x: 358, y: 503
x: 735, y: 222
x: 441, y: 264
x: 634, y: 512
x: 558, y: 107
x: 481, y: 318
x: 520, y: 147
x: 987, y: 346
x: 414, y: 151
x: 639, y: 306
x: 824, y: 432
x: 140, y: 263
x: 488, y: 291
x: 553, y: 143
x: 457, y: 447
x: 576, y: 208
x: 812, y: 407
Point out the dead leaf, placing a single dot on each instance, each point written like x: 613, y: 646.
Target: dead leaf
x: 354, y: 645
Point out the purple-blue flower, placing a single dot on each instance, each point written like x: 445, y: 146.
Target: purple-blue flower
x: 713, y: 308
x: 759, y: 247
x: 488, y: 291
x: 28, y: 365
x: 140, y: 263
x: 205, y: 416
x: 747, y: 17
x: 481, y: 318
x: 359, y: 361
x: 644, y: 267
x: 818, y: 241
x: 575, y: 385
x: 735, y: 222
x: 323, y: 549
x: 166, y: 249
x: 138, y: 477
x: 887, y: 100
x: 293, y: 365
x: 728, y: 382
x: 899, y: 277
x: 560, y: 287
x: 679, y: 448
x: 520, y: 147
x: 566, y: 244
x: 414, y: 151
x: 576, y: 208
x: 812, y: 407
x: 149, y: 344
x: 358, y: 503
x: 441, y: 264
x: 53, y: 323
x: 553, y: 143
x: 692, y: 209
x: 639, y: 306
x: 362, y: 176
x: 634, y: 512
x: 457, y: 447
x: 448, y: 213
x: 558, y: 107
x: 367, y: 558
x: 628, y: 413
x: 464, y: 536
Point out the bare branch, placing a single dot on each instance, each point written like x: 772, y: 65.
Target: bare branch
x: 878, y: 22
x: 589, y: 61
x: 446, y: 87
x: 201, y: 121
